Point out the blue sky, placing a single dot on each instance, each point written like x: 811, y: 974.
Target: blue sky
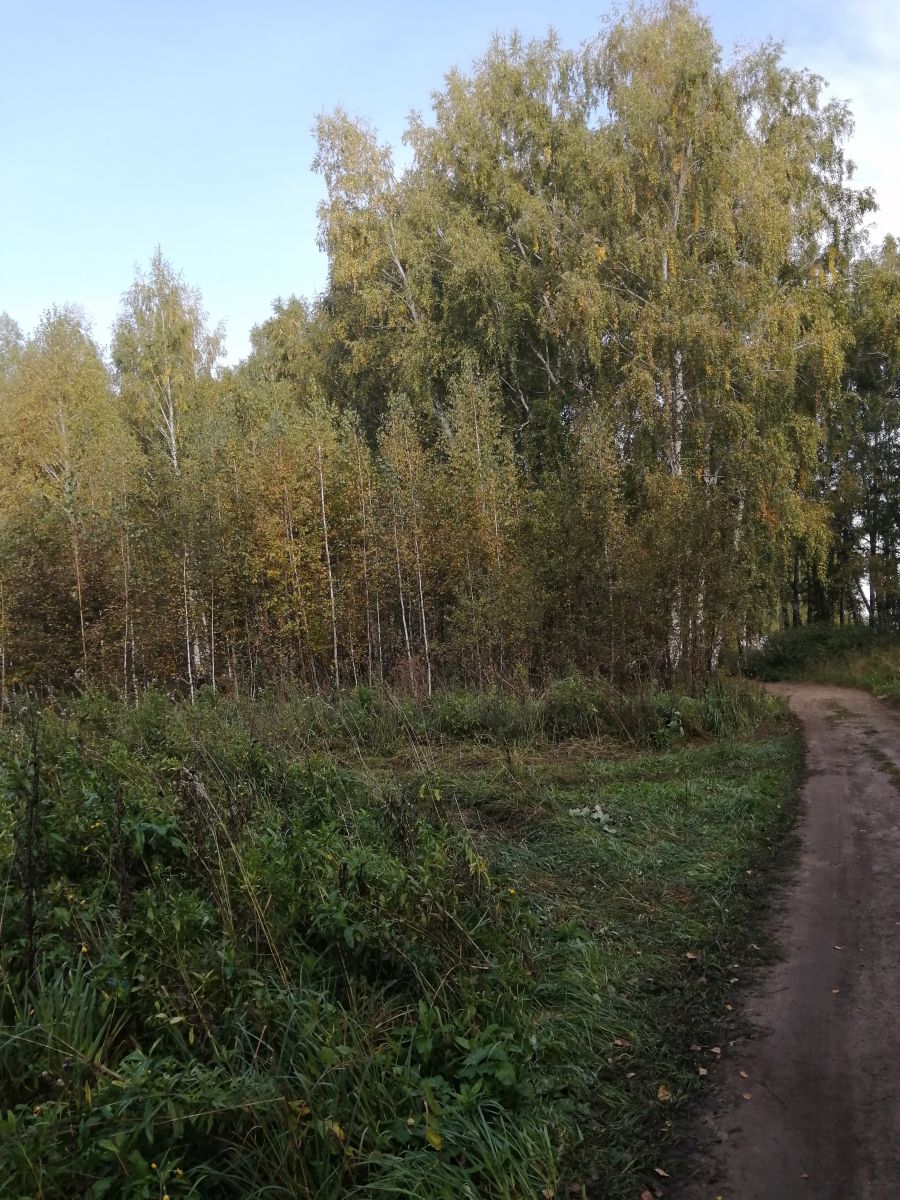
x: 188, y: 124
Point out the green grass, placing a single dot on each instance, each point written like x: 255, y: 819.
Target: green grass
x: 847, y: 656
x: 288, y: 951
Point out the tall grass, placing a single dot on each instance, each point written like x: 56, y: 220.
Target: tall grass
x: 849, y: 655
x: 267, y: 960
x: 380, y: 722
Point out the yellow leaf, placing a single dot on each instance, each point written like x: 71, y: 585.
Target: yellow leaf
x: 663, y: 1094
x: 434, y: 1138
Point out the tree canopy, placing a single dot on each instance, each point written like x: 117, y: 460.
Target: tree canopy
x: 606, y: 378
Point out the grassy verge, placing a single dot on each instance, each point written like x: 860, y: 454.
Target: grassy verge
x: 848, y: 656
x: 373, y: 949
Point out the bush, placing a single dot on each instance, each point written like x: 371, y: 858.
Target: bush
x: 807, y: 649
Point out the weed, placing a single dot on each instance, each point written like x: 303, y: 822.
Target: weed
x: 366, y: 947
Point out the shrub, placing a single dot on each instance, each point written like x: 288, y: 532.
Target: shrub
x: 797, y: 652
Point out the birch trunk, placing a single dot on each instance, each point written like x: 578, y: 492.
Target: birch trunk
x: 2, y: 653
x: 187, y: 622
x: 334, y: 634
x: 400, y: 594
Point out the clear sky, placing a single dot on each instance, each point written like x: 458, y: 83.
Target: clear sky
x: 126, y: 124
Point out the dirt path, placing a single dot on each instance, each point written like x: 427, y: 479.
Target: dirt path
x: 823, y: 1077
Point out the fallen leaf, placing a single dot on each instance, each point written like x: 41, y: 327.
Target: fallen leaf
x: 646, y: 1196
x: 663, y: 1094
x: 661, y: 1173
x: 834, y: 991
x: 336, y: 1129
x: 692, y: 957
x: 747, y: 1095
x: 695, y: 1048
x: 839, y: 947
x: 624, y: 1042
x: 729, y: 1007
x: 434, y: 1138
x: 743, y: 1075
x: 702, y: 1071
x: 630, y: 1075
x: 715, y: 1049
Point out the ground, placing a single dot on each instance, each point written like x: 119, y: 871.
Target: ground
x: 810, y: 1105
x: 300, y: 947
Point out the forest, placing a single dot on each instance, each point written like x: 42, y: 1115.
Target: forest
x: 383, y: 809
x: 606, y: 379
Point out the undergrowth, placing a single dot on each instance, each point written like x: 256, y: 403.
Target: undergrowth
x: 846, y: 655
x: 313, y: 949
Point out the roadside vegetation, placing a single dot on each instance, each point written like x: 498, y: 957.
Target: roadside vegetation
x: 314, y: 884
x: 373, y: 947
x: 848, y: 655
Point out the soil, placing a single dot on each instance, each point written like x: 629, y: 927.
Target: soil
x: 809, y: 1107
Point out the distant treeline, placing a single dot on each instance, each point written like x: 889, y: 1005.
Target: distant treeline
x: 607, y: 377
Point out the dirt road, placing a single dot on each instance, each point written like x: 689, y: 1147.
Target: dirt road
x: 816, y: 1112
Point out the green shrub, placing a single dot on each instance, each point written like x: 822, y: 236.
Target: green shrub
x: 828, y: 653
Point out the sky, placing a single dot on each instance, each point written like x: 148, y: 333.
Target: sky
x: 187, y: 123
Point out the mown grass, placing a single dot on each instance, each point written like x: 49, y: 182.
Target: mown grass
x: 368, y: 948
x: 847, y: 656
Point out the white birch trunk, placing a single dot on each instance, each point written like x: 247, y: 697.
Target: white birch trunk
x: 187, y: 622
x: 334, y: 634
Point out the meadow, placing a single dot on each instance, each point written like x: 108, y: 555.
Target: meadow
x: 478, y: 946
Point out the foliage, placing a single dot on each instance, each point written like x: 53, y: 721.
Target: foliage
x: 598, y: 381
x: 850, y: 655
x: 257, y: 969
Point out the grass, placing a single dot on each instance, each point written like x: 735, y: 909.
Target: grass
x: 847, y: 656
x: 372, y: 948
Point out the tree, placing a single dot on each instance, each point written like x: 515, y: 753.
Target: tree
x: 62, y: 437
x: 164, y: 356
x: 867, y: 508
